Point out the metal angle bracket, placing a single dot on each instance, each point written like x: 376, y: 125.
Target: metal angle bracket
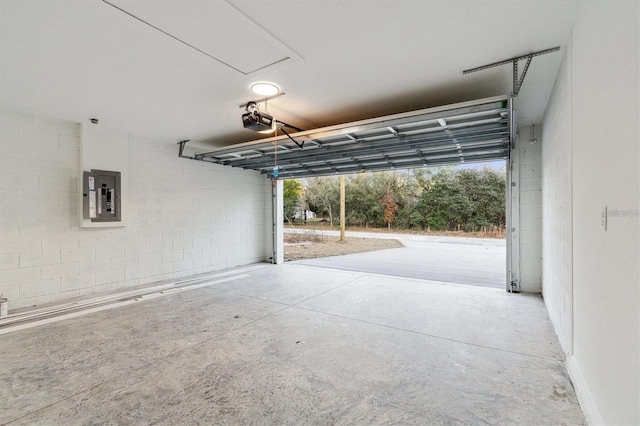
x: 517, y: 80
x: 181, y: 149
x: 181, y: 146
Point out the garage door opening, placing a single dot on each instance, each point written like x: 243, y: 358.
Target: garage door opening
x: 459, y: 134
x: 449, y: 222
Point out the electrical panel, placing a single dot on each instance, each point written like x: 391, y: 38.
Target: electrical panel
x: 101, y: 196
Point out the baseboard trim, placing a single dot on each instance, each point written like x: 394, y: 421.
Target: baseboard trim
x: 583, y: 393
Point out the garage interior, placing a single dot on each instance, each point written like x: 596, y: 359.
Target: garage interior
x: 183, y: 318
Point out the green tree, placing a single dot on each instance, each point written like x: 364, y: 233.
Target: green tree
x: 390, y: 208
x: 404, y: 192
x: 486, y: 190
x: 292, y: 191
x: 439, y: 199
x: 363, y: 194
x: 444, y: 204
x: 323, y: 195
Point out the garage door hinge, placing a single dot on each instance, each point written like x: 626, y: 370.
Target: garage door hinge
x: 513, y: 184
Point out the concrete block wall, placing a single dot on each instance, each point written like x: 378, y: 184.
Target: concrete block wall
x: 527, y: 158
x: 183, y: 217
x: 591, y: 272
x: 557, y: 248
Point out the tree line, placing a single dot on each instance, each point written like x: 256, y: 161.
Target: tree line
x: 434, y: 199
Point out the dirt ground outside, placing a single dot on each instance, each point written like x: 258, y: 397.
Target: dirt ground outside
x: 314, y: 245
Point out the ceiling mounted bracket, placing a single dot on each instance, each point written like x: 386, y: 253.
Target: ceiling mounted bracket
x: 517, y: 81
x: 181, y: 149
x: 262, y: 100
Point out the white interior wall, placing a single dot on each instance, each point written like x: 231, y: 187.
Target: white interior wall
x: 104, y: 149
x: 557, y: 271
x: 183, y: 217
x: 591, y: 130
x: 526, y: 157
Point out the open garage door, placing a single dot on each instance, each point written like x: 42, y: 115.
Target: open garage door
x: 475, y: 131
x: 461, y: 133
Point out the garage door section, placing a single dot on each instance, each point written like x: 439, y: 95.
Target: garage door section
x: 461, y: 133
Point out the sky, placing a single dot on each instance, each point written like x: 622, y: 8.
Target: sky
x: 491, y: 164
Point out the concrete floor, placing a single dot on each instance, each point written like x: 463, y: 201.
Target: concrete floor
x: 294, y: 344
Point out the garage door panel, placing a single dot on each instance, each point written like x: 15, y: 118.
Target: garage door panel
x: 460, y: 133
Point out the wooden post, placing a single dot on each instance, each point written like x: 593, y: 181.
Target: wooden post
x: 342, y: 214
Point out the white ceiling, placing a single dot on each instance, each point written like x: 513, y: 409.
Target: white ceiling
x: 184, y: 73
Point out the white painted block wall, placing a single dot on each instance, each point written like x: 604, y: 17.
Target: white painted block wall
x: 183, y: 217
x: 557, y: 247
x: 104, y: 149
x: 591, y: 149
x: 526, y: 158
